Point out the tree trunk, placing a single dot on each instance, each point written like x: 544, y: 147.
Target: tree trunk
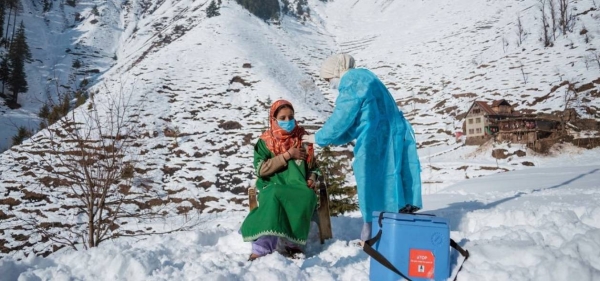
x: 91, y: 227
x: 14, y: 25
x: 7, y: 25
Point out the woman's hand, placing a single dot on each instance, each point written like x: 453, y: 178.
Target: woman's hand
x: 311, y: 184
x: 297, y: 153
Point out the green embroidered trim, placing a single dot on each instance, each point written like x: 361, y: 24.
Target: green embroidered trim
x: 258, y: 166
x: 274, y: 233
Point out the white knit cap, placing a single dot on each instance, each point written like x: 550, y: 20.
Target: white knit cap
x: 336, y: 65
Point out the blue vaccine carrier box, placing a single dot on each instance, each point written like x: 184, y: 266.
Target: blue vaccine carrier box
x: 417, y: 245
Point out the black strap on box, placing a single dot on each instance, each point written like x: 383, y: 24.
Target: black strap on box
x: 368, y: 248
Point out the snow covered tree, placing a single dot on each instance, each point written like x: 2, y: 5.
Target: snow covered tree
x: 341, y: 196
x: 212, y: 10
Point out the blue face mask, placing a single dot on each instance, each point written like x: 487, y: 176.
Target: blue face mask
x: 288, y: 126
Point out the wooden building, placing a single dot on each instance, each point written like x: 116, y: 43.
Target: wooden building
x: 500, y: 121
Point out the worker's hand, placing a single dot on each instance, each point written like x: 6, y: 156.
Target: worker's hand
x: 297, y: 153
x: 308, y: 138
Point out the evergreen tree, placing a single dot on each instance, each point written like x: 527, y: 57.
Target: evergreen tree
x: 47, y: 4
x: 264, y: 9
x: 17, y: 81
x: 299, y: 9
x: 2, y: 12
x: 17, y: 54
x: 285, y: 7
x: 19, y: 49
x: 16, y: 9
x: 8, y: 4
x: 22, y: 134
x: 212, y: 10
x: 341, y: 197
x: 4, y: 71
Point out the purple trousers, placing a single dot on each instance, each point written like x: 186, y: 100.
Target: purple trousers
x: 268, y: 244
x: 264, y: 245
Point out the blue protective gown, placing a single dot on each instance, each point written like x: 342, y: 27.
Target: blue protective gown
x: 386, y: 165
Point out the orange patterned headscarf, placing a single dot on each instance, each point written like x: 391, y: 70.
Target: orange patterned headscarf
x: 279, y: 140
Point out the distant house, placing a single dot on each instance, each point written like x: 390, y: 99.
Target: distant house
x: 501, y: 122
x: 481, y: 119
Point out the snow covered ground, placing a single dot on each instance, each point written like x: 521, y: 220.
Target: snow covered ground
x: 536, y: 223
x: 532, y: 224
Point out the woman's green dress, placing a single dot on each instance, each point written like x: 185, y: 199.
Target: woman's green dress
x: 285, y: 203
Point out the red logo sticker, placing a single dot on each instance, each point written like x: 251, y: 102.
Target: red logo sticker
x: 421, y: 263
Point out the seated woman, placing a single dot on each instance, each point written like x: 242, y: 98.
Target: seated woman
x: 286, y: 175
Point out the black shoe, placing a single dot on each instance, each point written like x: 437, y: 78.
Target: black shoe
x: 409, y: 209
x: 293, y: 252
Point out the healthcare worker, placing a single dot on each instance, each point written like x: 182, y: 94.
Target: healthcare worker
x: 386, y: 165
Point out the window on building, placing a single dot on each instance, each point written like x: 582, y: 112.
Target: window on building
x: 476, y: 110
x: 471, y: 131
x: 478, y: 130
x: 470, y: 121
x: 478, y: 120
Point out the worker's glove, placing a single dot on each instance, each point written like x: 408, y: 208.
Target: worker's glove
x: 308, y: 138
x: 408, y: 209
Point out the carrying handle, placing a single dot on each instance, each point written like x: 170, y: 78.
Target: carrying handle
x: 368, y: 248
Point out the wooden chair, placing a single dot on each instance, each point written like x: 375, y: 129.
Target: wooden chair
x: 323, y: 216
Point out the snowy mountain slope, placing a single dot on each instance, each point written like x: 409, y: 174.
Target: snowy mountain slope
x: 57, y: 38
x: 212, y: 80
x: 218, y: 117
x: 533, y: 224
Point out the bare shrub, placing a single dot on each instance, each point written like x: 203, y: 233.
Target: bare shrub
x: 566, y: 19
x: 91, y: 155
x: 545, y: 33
x: 520, y: 31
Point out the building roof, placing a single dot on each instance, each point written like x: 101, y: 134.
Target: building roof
x: 500, y: 102
x: 485, y: 107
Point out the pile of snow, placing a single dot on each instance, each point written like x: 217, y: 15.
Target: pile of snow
x: 190, y: 73
x: 533, y: 224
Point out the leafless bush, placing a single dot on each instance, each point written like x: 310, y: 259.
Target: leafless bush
x: 520, y: 31
x: 552, y: 6
x: 524, y: 75
x: 595, y: 56
x: 566, y: 19
x: 90, y: 159
x: 545, y: 33
x: 569, y: 97
x: 307, y: 86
